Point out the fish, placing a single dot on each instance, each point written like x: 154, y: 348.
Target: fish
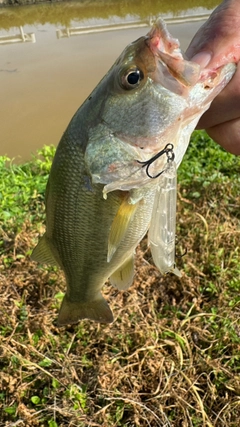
x: 105, y: 183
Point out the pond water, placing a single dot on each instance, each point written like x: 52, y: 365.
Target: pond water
x: 52, y: 56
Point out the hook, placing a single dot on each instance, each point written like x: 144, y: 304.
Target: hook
x: 181, y: 255
x: 168, y: 150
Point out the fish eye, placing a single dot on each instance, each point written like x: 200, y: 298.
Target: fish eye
x: 132, y: 78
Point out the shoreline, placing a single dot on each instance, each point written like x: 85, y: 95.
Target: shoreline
x: 16, y: 3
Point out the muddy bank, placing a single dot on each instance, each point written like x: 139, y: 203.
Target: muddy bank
x: 179, y: 4
x: 25, y: 2
x: 64, y: 11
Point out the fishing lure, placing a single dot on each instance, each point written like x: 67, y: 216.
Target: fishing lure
x: 168, y: 150
x: 162, y: 230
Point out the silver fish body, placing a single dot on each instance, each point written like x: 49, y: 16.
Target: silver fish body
x: 99, y: 198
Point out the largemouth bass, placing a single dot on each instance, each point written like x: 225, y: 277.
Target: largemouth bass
x: 107, y: 167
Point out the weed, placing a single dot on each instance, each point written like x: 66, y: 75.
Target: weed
x: 22, y: 189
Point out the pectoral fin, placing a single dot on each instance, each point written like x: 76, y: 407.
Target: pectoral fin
x: 42, y: 252
x: 71, y: 312
x: 120, y: 226
x: 122, y: 278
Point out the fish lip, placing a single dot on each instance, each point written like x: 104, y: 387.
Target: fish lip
x: 176, y: 73
x: 213, y: 77
x: 164, y: 46
x: 160, y: 40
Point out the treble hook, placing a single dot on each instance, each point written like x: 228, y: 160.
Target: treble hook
x: 168, y: 150
x: 181, y: 255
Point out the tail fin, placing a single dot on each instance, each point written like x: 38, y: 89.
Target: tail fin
x: 72, y: 312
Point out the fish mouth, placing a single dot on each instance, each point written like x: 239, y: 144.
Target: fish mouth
x: 170, y: 59
x: 180, y: 74
x: 160, y: 40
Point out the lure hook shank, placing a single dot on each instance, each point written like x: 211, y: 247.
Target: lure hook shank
x: 168, y: 150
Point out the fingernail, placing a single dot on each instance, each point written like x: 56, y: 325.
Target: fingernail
x: 202, y: 58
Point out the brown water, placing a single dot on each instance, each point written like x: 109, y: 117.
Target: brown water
x: 45, y: 78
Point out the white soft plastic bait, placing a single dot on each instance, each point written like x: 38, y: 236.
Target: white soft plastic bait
x: 163, y: 223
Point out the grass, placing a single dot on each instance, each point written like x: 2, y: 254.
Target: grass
x: 172, y: 356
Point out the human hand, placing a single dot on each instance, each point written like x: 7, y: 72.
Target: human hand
x: 216, y: 43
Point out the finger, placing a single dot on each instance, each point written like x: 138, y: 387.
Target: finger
x: 227, y: 135
x: 219, y: 37
x: 225, y: 107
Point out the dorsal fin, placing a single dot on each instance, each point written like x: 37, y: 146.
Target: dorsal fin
x: 42, y: 252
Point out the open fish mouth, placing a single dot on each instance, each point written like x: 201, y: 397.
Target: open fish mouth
x: 178, y: 73
x: 161, y: 40
x: 175, y: 72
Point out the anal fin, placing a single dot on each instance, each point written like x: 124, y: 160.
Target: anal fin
x: 71, y: 312
x: 122, y: 278
x: 42, y: 252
